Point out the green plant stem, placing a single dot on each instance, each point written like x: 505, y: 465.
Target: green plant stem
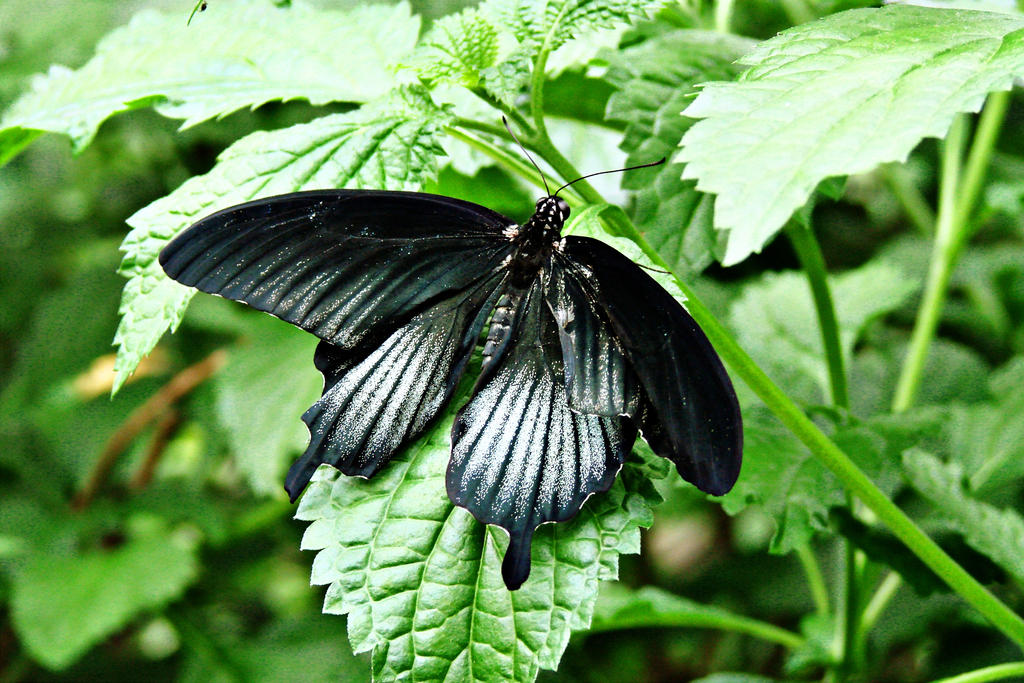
x: 851, y: 655
x: 913, y: 203
x: 511, y: 163
x: 813, y: 263
x: 989, y: 673
x: 989, y: 125
x: 520, y: 168
x: 939, y: 271
x: 878, y: 602
x: 537, y: 86
x: 480, y: 127
x: 830, y: 455
x: 815, y: 581
x: 723, y: 622
x: 956, y: 202
x: 723, y: 15
x: 510, y: 112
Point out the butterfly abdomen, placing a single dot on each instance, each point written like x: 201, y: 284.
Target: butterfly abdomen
x: 500, y: 330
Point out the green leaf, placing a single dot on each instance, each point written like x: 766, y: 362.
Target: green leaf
x: 555, y: 22
x: 994, y: 532
x: 775, y: 319
x: 259, y: 408
x: 458, y: 48
x: 63, y: 605
x: 548, y: 24
x: 839, y: 96
x: 655, y: 81
x: 390, y: 144
x: 885, y: 548
x: 653, y: 607
x: 242, y: 54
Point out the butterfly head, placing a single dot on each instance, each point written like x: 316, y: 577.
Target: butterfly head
x: 551, y: 212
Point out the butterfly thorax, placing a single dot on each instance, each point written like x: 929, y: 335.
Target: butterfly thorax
x: 536, y: 240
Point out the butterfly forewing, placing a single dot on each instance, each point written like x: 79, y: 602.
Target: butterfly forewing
x: 690, y: 415
x: 348, y: 266
x: 520, y: 455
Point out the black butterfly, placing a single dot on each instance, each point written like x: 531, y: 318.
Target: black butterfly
x: 582, y: 349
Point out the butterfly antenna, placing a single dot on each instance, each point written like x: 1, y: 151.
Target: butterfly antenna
x: 509, y: 129
x: 654, y: 270
x: 617, y: 170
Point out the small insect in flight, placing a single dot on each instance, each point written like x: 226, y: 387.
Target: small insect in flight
x: 583, y: 350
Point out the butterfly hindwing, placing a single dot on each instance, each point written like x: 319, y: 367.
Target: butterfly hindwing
x: 349, y: 266
x: 520, y: 455
x: 598, y: 378
x: 375, y: 404
x: 690, y: 413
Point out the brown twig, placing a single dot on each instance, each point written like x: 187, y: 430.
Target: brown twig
x: 165, y: 428
x: 180, y: 385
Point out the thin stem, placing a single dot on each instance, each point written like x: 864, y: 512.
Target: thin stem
x: 939, y: 272
x: 956, y: 202
x: 815, y: 580
x: 813, y: 262
x: 511, y: 163
x: 989, y: 125
x: 850, y: 656
x: 830, y: 455
x: 511, y: 112
x: 723, y: 15
x: 913, y: 203
x: 537, y: 87
x: 724, y: 622
x: 180, y: 385
x: 491, y: 129
x: 989, y: 673
x: 878, y: 602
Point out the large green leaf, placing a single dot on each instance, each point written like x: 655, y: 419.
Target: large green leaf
x: 994, y: 532
x: 239, y: 54
x: 556, y: 21
x: 839, y: 96
x: 63, y: 605
x: 391, y: 144
x: 655, y: 82
x: 420, y: 579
